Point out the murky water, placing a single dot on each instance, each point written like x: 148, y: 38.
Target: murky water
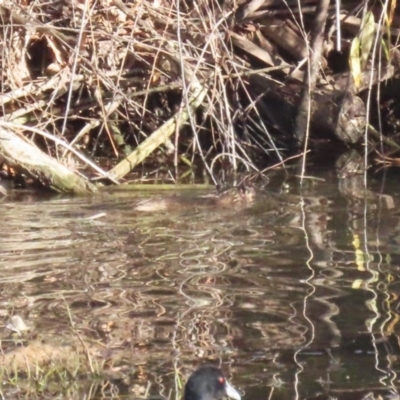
x: 295, y: 296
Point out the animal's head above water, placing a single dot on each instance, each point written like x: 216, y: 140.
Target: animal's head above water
x: 209, y: 383
x: 239, y: 195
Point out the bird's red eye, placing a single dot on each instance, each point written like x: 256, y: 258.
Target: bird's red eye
x: 221, y: 379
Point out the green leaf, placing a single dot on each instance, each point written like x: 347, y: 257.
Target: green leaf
x: 367, y: 37
x: 355, y: 61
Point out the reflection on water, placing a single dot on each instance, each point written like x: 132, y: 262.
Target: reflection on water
x: 295, y: 296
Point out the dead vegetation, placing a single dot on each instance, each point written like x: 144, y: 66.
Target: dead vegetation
x: 233, y: 84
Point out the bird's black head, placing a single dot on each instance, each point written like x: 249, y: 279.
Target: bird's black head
x: 209, y: 383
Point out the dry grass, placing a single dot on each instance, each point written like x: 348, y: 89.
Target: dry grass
x: 105, y: 75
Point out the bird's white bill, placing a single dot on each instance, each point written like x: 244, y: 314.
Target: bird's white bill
x: 231, y: 392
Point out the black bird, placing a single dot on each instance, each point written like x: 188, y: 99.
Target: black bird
x: 209, y: 383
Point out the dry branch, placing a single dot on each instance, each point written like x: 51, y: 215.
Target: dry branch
x: 314, y: 59
x: 158, y: 137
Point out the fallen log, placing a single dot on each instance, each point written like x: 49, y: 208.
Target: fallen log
x: 25, y: 157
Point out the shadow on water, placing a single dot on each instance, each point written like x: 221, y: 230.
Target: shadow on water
x: 296, y: 296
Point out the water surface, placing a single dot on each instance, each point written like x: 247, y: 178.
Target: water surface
x: 295, y: 296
